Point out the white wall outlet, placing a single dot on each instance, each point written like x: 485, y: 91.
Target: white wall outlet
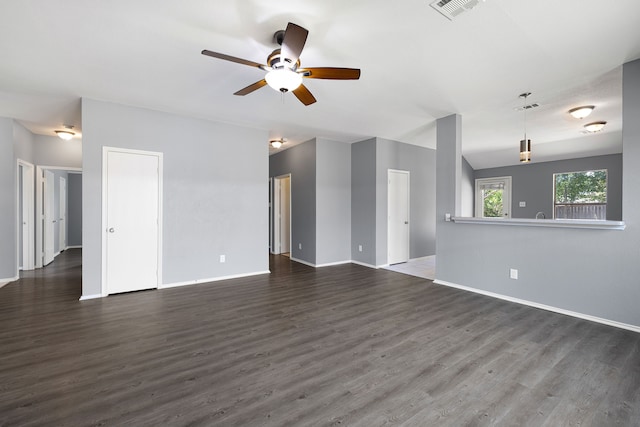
x: 223, y: 258
x: 300, y: 246
x: 447, y: 217
x: 513, y: 273
x: 359, y: 248
x: 523, y: 204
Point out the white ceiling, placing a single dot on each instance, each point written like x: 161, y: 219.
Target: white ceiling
x: 417, y: 66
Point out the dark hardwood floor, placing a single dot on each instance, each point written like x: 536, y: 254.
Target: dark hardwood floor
x: 343, y: 345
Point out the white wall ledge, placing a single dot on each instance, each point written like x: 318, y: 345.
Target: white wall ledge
x: 557, y: 223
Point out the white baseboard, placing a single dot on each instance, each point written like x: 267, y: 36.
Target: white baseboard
x: 8, y: 280
x: 86, y: 297
x: 542, y: 306
x: 212, y: 279
x: 364, y: 264
x: 74, y: 247
x: 328, y: 264
x: 302, y: 262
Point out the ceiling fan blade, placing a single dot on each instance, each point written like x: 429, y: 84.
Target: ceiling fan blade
x: 303, y: 94
x: 232, y: 59
x: 331, y: 73
x: 255, y: 86
x: 294, y: 39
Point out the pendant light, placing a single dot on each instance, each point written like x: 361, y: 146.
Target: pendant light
x: 525, y: 144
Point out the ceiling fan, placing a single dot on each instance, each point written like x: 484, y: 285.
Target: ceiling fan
x: 283, y: 66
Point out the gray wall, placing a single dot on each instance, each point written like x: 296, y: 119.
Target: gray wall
x: 74, y: 209
x: 533, y: 183
x: 300, y: 162
x: 370, y: 161
x: 53, y: 151
x: 333, y: 202
x: 467, y: 189
x: 420, y: 162
x: 214, y: 192
x: 363, y: 201
x: 593, y: 272
x: 8, y: 219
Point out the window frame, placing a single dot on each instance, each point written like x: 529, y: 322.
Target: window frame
x: 606, y: 203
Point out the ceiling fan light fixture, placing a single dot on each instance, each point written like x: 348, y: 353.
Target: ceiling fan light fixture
x: 581, y: 112
x: 276, y: 143
x: 594, y: 127
x: 65, y: 134
x: 283, y: 79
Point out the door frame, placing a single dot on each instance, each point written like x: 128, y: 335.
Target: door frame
x: 276, y: 248
x: 39, y: 252
x: 27, y: 197
x: 62, y: 212
x: 506, y: 204
x: 105, y: 151
x: 408, y: 174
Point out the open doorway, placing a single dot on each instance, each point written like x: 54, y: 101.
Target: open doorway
x: 282, y: 215
x: 58, y: 212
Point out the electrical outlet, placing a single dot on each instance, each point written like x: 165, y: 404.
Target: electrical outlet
x: 523, y: 204
x: 359, y: 248
x: 300, y: 246
x: 223, y: 258
x: 513, y: 273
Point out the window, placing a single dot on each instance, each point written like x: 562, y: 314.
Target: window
x: 493, y: 197
x: 580, y: 195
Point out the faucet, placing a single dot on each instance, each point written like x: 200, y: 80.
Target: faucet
x: 540, y: 215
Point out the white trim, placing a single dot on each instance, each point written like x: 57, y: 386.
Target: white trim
x: 607, y: 322
x: 364, y: 264
x: 8, y: 280
x: 506, y: 204
x: 213, y: 279
x: 29, y: 263
x: 160, y: 156
x: 73, y: 247
x: 554, y: 223
x: 329, y: 264
x: 94, y: 296
x: 301, y: 261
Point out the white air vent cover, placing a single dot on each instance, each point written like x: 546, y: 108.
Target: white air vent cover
x: 453, y: 8
x: 527, y: 107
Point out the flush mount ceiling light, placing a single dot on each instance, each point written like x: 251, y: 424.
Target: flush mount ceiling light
x: 594, y: 126
x: 66, y: 134
x: 525, y: 144
x: 581, y: 112
x: 277, y: 143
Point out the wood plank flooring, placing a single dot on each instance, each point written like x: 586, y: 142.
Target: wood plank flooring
x: 343, y: 345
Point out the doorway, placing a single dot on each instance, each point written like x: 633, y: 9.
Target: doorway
x: 26, y: 217
x: 398, y: 216
x: 282, y: 215
x: 493, y: 197
x: 49, y: 217
x: 62, y: 220
x: 132, y: 220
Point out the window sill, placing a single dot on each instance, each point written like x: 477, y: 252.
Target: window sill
x: 557, y: 223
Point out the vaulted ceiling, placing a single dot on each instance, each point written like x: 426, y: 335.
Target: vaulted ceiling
x: 416, y: 65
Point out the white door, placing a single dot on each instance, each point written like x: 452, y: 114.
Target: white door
x: 50, y: 217
x: 285, y: 215
x: 493, y: 197
x: 62, y: 219
x: 132, y: 197
x: 398, y: 217
x: 25, y: 171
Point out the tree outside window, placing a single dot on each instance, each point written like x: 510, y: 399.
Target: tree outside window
x: 580, y: 195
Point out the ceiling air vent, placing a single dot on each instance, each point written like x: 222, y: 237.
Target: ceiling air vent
x: 527, y: 107
x: 452, y: 8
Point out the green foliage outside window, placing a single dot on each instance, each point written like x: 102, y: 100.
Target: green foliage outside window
x: 492, y: 203
x: 581, y: 187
